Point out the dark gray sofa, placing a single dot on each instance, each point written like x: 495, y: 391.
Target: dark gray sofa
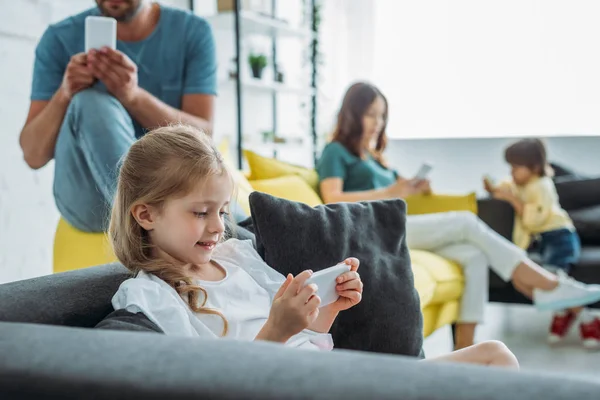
x: 49, y: 349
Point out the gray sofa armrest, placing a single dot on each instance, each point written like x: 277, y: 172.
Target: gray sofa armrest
x: 40, y: 361
x: 74, y: 298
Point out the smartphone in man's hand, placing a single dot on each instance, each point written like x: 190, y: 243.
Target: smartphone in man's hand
x: 100, y: 32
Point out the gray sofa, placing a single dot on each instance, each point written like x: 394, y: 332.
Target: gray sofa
x: 49, y: 348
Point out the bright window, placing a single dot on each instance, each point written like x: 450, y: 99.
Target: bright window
x: 488, y: 68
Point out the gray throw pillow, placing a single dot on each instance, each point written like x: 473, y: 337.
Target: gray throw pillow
x: 292, y: 237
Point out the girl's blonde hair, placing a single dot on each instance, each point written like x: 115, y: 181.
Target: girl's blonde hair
x: 166, y: 163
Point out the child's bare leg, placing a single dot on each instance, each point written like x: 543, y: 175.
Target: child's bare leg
x: 464, y: 335
x: 491, y: 353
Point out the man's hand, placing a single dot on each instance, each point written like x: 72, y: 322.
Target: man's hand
x: 116, y: 71
x: 77, y: 76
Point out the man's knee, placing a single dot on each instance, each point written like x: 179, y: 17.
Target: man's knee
x: 92, y: 110
x: 93, y: 100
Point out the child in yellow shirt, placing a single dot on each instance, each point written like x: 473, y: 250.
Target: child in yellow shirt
x: 539, y: 215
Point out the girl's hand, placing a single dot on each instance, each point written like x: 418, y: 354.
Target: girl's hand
x: 487, y: 185
x: 349, y: 287
x: 294, y: 308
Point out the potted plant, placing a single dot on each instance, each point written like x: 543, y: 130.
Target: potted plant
x: 257, y: 62
x: 268, y: 136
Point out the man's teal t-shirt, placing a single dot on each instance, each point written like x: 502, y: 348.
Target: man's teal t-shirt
x: 358, y: 174
x: 177, y: 58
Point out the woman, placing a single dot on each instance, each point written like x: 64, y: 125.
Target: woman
x: 352, y: 168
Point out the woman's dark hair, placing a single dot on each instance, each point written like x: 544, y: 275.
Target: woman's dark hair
x: 530, y: 153
x: 349, y: 130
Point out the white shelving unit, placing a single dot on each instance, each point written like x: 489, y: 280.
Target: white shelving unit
x: 255, y: 26
x: 253, y: 23
x: 261, y: 85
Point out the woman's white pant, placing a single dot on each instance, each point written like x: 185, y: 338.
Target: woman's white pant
x: 464, y: 238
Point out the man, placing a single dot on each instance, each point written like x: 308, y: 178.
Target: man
x: 87, y: 109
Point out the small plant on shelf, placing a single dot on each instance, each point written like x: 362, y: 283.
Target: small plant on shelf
x: 257, y: 62
x: 268, y: 136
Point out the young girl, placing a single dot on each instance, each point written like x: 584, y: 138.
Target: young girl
x: 167, y: 227
x: 353, y: 168
x: 538, y: 215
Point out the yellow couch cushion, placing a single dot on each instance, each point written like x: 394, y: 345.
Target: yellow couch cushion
x: 436, y: 203
x: 74, y: 249
x: 267, y: 168
x: 437, y: 315
x: 440, y: 284
x: 290, y: 187
x: 447, y: 275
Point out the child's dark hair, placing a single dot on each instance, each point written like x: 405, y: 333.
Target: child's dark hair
x: 530, y: 153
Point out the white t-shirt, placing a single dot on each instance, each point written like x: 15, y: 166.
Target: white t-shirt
x: 244, y: 297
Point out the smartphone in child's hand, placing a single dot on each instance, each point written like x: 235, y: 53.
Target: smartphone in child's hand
x: 100, y: 32
x: 326, y: 282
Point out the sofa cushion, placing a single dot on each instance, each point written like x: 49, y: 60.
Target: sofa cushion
x: 587, y: 223
x: 290, y: 187
x: 436, y: 203
x: 446, y: 276
x: 268, y: 168
x: 292, y: 237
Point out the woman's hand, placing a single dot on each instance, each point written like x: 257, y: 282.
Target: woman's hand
x: 423, y: 185
x: 349, y: 287
x: 294, y: 308
x: 402, y: 188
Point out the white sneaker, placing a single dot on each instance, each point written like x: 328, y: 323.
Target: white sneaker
x: 569, y: 293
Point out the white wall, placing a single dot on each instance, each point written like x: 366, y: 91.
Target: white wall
x: 472, y: 68
x: 28, y: 215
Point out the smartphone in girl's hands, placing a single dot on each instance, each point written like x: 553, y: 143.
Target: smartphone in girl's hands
x: 326, y: 282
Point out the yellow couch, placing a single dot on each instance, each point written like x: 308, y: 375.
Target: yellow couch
x: 438, y: 281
